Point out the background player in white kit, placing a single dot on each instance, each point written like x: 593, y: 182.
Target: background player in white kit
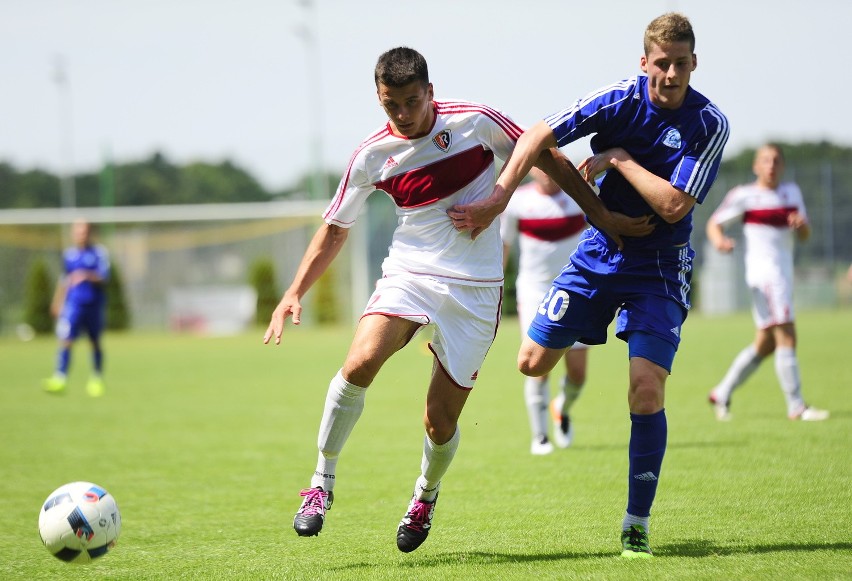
x: 430, y: 156
x: 546, y: 223
x: 773, y: 213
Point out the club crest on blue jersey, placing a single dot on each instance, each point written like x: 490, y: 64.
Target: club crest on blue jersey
x: 672, y: 139
x: 443, y: 140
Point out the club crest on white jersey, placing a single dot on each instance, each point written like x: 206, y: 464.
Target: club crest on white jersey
x: 443, y: 140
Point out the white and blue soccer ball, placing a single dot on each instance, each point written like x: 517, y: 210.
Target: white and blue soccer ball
x: 79, y: 522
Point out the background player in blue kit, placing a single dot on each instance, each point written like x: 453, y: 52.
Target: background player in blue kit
x: 80, y: 305
x: 658, y: 143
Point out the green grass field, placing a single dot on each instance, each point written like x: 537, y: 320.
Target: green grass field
x: 205, y: 443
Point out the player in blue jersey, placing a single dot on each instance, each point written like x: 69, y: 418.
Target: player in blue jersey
x: 80, y: 305
x: 657, y: 144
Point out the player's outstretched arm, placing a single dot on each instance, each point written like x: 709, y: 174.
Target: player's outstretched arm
x: 477, y: 216
x: 322, y: 250
x: 557, y: 166
x: 59, y: 295
x: 537, y: 146
x: 716, y: 236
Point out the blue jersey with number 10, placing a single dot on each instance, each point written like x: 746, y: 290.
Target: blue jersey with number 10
x: 683, y: 146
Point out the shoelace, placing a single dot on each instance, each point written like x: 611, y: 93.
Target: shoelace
x: 418, y: 516
x: 636, y: 539
x: 314, y: 501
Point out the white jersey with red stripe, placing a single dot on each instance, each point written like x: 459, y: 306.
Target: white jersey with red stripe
x: 768, y: 237
x: 424, y: 177
x: 547, y: 229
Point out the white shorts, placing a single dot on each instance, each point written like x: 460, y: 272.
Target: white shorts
x: 464, y: 318
x: 772, y: 304
x: 528, y: 298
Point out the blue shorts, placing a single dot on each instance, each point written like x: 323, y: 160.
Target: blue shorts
x: 647, y: 290
x: 76, y: 318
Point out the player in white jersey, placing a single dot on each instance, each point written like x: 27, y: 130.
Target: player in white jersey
x: 773, y: 214
x: 546, y: 223
x: 430, y: 156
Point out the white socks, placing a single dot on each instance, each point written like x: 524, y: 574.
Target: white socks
x: 436, y: 460
x: 787, y: 370
x: 343, y: 406
x: 630, y: 520
x: 744, y: 364
x: 570, y: 393
x: 537, y: 398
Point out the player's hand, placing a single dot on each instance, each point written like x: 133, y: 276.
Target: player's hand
x: 76, y: 277
x: 288, y: 307
x: 616, y: 225
x: 795, y: 220
x: 725, y: 244
x: 476, y: 216
x: 634, y: 227
x: 594, y: 165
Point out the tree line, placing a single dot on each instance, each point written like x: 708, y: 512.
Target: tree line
x: 151, y: 181
x: 823, y: 170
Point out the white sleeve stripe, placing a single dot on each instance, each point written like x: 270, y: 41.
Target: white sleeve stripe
x: 338, y: 198
x: 507, y: 125
x: 701, y: 172
x: 560, y: 117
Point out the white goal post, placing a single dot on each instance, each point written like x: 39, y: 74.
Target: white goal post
x: 169, y: 249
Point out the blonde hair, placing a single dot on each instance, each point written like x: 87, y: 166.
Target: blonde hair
x: 668, y: 28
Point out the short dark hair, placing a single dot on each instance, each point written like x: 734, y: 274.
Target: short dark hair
x: 400, y: 66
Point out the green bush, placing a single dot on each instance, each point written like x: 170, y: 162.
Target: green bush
x: 326, y: 307
x: 39, y: 294
x: 263, y: 280
x: 117, y: 315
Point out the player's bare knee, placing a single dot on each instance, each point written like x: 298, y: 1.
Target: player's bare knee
x: 531, y: 367
x: 645, y: 397
x: 577, y: 378
x: 439, y: 428
x: 360, y: 372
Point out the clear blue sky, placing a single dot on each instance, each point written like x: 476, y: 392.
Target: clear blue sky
x: 205, y: 80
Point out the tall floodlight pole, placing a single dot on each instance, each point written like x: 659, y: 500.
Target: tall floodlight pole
x: 308, y: 34
x: 68, y: 191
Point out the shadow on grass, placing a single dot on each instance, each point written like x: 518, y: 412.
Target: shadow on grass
x: 670, y: 445
x: 703, y: 548
x: 685, y: 548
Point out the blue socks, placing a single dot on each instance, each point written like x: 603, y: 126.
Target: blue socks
x: 63, y: 360
x: 97, y: 360
x: 648, y: 435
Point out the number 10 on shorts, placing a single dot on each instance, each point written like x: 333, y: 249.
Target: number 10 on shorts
x: 554, y: 304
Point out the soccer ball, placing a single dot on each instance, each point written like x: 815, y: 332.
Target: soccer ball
x: 79, y: 522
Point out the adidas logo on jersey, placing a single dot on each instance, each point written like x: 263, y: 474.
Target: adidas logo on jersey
x: 391, y: 162
x: 645, y: 476
x: 675, y: 331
